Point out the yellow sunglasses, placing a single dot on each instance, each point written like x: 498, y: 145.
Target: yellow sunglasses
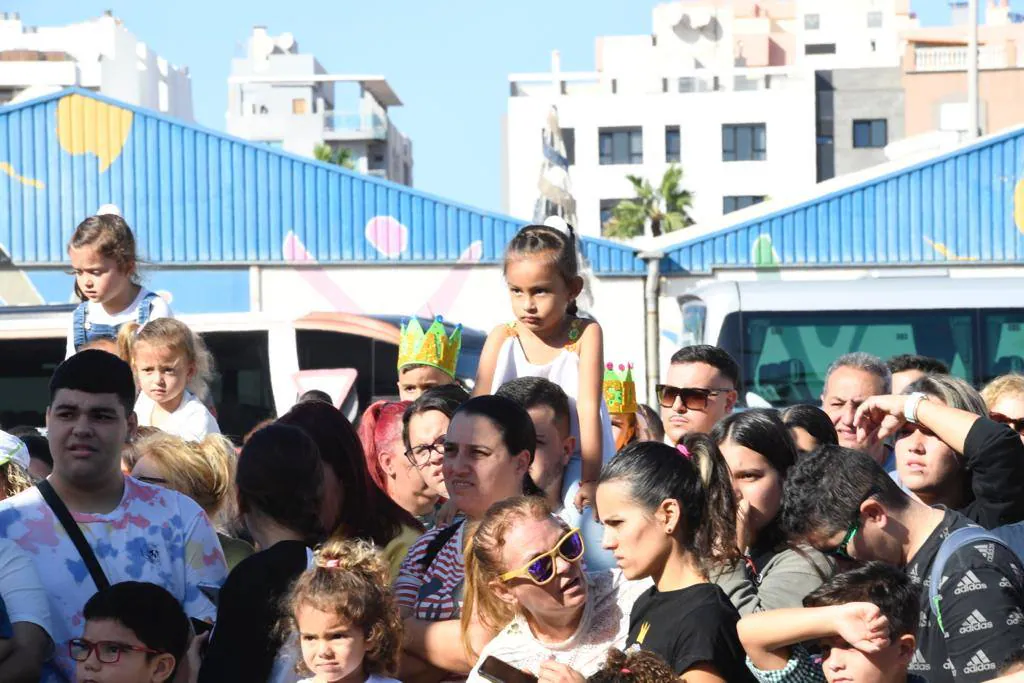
x: 541, y: 569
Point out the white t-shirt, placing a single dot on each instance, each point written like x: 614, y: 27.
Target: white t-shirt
x: 605, y: 624
x: 154, y: 535
x: 192, y: 420
x: 97, y: 315
x: 20, y: 587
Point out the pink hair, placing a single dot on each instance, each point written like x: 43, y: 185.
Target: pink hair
x: 379, y: 430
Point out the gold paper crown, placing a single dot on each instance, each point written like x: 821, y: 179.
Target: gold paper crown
x: 433, y: 347
x: 619, y: 389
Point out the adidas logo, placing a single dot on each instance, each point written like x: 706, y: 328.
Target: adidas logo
x: 987, y: 550
x: 968, y: 584
x: 979, y: 663
x: 975, y: 621
x: 948, y: 666
x: 919, y: 663
x: 1015, y: 618
x: 1005, y: 583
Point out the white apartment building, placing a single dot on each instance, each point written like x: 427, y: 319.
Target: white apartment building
x: 99, y: 54
x: 728, y: 90
x: 286, y: 99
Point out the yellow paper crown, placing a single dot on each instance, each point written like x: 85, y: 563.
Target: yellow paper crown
x: 619, y: 389
x: 433, y: 347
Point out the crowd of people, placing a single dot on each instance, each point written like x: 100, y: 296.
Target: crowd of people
x: 544, y: 526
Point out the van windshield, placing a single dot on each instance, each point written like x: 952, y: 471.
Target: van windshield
x: 785, y: 355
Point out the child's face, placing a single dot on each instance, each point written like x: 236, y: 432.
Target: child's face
x: 414, y: 381
x: 540, y: 295
x: 163, y: 373
x: 554, y: 446
x: 130, y: 667
x: 844, y: 663
x: 99, y: 277
x: 331, y: 648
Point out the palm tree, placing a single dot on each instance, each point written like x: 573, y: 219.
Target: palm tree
x: 666, y: 208
x: 339, y: 157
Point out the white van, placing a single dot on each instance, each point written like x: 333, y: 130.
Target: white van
x: 262, y: 362
x: 785, y: 333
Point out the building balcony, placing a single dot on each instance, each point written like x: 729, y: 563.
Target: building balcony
x: 341, y: 125
x: 703, y: 81
x: 996, y: 56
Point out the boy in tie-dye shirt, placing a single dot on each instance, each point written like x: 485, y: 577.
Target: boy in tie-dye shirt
x: 138, y: 532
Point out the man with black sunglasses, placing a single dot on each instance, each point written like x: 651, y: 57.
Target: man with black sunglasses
x: 700, y: 389
x: 842, y: 502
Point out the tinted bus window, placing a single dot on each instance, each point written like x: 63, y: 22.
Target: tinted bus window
x: 25, y: 369
x: 1002, y: 346
x: 241, y: 388
x: 375, y: 362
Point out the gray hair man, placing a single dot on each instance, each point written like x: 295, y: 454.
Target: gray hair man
x: 852, y: 379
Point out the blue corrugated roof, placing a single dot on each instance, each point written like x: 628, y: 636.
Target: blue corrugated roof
x: 196, y: 196
x: 957, y: 207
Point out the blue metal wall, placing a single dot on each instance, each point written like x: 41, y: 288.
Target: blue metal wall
x: 956, y: 208
x: 194, y: 196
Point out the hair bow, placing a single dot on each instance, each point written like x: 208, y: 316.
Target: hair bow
x: 684, y: 451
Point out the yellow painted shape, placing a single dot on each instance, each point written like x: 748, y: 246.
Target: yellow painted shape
x: 1018, y: 205
x: 948, y: 253
x: 31, y: 182
x: 88, y: 125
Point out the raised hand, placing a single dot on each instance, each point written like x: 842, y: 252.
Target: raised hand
x: 862, y: 625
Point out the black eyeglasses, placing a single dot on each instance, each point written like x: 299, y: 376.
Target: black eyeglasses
x: 107, y: 651
x: 692, y: 398
x: 420, y: 456
x: 1016, y: 425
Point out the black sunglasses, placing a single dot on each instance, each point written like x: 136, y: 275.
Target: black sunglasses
x: 692, y: 398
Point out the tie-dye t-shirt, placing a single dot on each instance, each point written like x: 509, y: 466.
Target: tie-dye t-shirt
x: 154, y: 535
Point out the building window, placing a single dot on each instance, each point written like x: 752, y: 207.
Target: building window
x: 299, y: 106
x: 820, y: 49
x: 874, y: 20
x: 672, y: 146
x: 812, y: 22
x: 607, y: 212
x: 735, y: 203
x: 871, y: 133
x: 744, y: 142
x: 569, y: 138
x: 620, y: 146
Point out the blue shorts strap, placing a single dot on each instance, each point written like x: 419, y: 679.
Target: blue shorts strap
x: 146, y: 308
x: 78, y: 333
x: 962, y: 537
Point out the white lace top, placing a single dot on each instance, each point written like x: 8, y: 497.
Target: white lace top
x: 605, y: 624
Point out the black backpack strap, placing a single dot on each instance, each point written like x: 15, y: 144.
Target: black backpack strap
x: 74, y: 533
x: 434, y: 547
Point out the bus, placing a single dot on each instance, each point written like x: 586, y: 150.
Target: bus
x: 784, y: 334
x: 262, y: 362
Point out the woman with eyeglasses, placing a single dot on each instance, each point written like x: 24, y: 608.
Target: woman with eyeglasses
x: 948, y: 451
x: 525, y: 586
x: 424, y: 426
x: 669, y: 514
x: 487, y: 453
x: 1004, y: 397
x: 773, y: 574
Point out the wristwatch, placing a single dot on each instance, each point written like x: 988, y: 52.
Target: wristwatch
x: 912, y: 404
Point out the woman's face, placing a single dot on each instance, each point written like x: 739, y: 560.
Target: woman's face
x: 637, y: 537
x: 1009, y: 407
x: 564, y: 594
x: 755, y: 480
x: 926, y: 465
x: 426, y: 444
x: 478, y: 469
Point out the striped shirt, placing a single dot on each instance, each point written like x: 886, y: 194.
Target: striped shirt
x: 434, y: 593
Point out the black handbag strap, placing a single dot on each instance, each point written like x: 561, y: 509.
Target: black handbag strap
x: 74, y: 533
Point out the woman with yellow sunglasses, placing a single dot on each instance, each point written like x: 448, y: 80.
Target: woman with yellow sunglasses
x: 525, y: 582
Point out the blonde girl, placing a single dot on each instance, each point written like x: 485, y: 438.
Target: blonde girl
x: 1004, y: 397
x: 346, y: 620
x: 204, y: 471
x: 172, y: 367
x: 550, y: 339
x: 105, y: 264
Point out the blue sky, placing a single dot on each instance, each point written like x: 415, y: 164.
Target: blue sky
x: 448, y: 60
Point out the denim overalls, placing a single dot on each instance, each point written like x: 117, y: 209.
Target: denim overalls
x: 85, y: 331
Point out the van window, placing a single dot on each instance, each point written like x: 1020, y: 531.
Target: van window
x: 375, y: 362
x: 695, y: 315
x: 785, y: 355
x: 26, y: 366
x: 241, y: 388
x: 1002, y: 343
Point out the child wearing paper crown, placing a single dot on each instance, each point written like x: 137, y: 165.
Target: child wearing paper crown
x: 426, y: 359
x: 620, y: 397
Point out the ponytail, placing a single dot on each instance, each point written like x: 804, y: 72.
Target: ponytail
x: 126, y: 341
x: 697, y: 477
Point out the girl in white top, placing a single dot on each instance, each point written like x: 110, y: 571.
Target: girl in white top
x: 548, y: 339
x: 346, y: 619
x: 105, y: 265
x: 172, y: 367
x: 526, y: 588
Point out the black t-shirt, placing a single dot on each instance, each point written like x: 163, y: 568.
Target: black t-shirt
x: 982, y: 596
x: 688, y: 627
x: 243, y: 643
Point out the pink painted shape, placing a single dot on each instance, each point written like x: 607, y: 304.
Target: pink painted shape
x: 316, y: 278
x: 387, y: 236
x: 337, y: 382
x: 453, y: 284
